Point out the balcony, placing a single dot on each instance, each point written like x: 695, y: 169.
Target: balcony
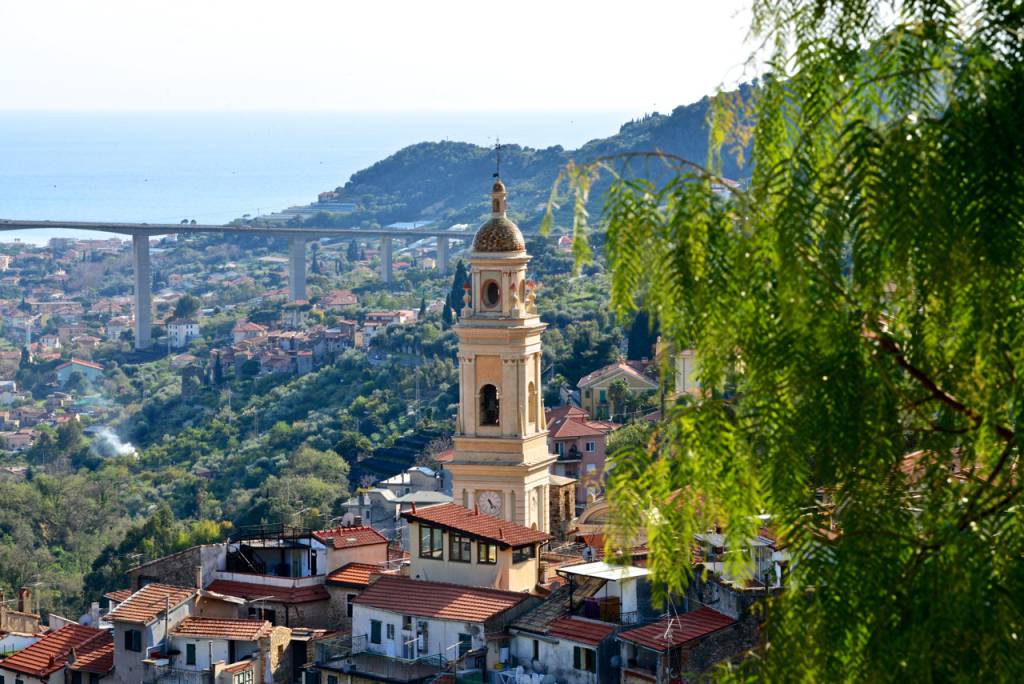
x: 176, y: 675
x: 350, y: 655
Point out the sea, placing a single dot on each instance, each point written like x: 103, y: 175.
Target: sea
x: 217, y: 166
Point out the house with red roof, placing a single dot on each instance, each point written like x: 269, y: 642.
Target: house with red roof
x: 93, y: 372
x: 200, y: 645
x: 453, y: 543
x: 680, y: 647
x: 401, y: 619
x: 141, y: 623
x: 594, y: 387
x: 44, y: 661
x: 581, y: 445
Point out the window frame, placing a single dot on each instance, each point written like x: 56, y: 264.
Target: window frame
x: 190, y: 654
x: 587, y: 657
x: 521, y: 554
x: 482, y: 548
x: 590, y: 446
x: 132, y: 641
x: 389, y: 632
x: 466, y: 643
x: 460, y: 548
x: 375, y: 632
x: 435, y: 547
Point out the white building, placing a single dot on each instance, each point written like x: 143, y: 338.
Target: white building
x: 181, y: 331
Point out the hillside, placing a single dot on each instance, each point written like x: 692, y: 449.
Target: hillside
x: 443, y: 181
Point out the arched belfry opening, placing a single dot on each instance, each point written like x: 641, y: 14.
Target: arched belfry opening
x: 532, y: 410
x: 489, y: 409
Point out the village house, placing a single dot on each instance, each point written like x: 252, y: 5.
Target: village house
x: 339, y: 300
x: 376, y: 321
x: 594, y: 387
x: 181, y: 331
x: 247, y: 330
x: 453, y: 543
x: 406, y: 630
x: 679, y: 647
x: 75, y: 648
x: 141, y: 625
x: 118, y: 326
x: 232, y: 650
x: 93, y: 372
x: 581, y: 445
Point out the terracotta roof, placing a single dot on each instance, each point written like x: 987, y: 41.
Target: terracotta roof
x: 499, y: 235
x: 566, y: 428
x: 353, y: 574
x: 456, y: 517
x: 350, y: 537
x: 80, y: 362
x: 248, y: 326
x: 540, y: 619
x: 118, y: 595
x: 148, y: 603
x: 669, y: 633
x: 96, y: 656
x: 51, y: 652
x: 240, y: 666
x: 223, y: 628
x: 279, y: 594
x: 627, y: 367
x: 438, y: 599
x: 581, y: 630
x: 559, y: 412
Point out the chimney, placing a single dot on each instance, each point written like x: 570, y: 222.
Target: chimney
x: 94, y: 613
x: 25, y: 600
x: 357, y: 521
x: 199, y: 576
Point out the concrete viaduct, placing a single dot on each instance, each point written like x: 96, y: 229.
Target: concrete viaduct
x: 297, y: 239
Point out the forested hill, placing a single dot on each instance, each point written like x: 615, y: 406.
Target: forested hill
x: 448, y: 181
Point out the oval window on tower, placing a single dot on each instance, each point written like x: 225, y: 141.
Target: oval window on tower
x: 492, y: 294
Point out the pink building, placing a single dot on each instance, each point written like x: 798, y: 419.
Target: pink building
x: 581, y: 445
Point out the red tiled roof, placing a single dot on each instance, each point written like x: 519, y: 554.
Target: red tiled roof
x: 223, y: 628
x: 631, y: 368
x: 278, y: 594
x: 353, y: 574
x: 96, y: 656
x: 456, y: 517
x: 560, y: 412
x: 568, y: 428
x: 670, y: 633
x: 240, y: 666
x: 350, y: 537
x: 148, y: 603
x: 581, y: 630
x: 118, y: 595
x: 80, y: 362
x: 51, y: 652
x: 439, y: 600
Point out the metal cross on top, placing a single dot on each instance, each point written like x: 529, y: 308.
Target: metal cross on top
x: 497, y: 164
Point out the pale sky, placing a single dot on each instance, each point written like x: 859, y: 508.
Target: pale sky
x: 641, y: 55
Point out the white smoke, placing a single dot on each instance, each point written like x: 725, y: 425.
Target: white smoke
x: 106, y: 443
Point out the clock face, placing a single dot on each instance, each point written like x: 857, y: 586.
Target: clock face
x: 489, y: 503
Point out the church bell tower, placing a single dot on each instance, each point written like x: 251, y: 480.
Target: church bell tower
x: 501, y: 455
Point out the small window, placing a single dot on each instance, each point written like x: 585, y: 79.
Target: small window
x: 460, y: 548
x: 586, y: 394
x: 486, y: 553
x: 391, y: 631
x: 332, y: 679
x: 76, y: 677
x: 536, y: 650
x: 584, y: 659
x: 431, y: 542
x: 243, y: 677
x: 590, y: 447
x: 465, y: 644
x: 523, y: 553
x: 350, y: 604
x: 190, y: 654
x: 601, y: 397
x: 132, y: 641
x: 375, y: 631
x: 489, y: 410
x: 492, y: 294
x: 407, y: 623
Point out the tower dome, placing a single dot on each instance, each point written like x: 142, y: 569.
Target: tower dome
x: 499, y: 234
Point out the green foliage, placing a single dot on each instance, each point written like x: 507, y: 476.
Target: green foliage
x: 859, y: 299
x: 187, y: 306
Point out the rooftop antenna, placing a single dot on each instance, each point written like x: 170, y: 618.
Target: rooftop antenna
x: 497, y: 165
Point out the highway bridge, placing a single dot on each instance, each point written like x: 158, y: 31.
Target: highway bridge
x: 297, y: 239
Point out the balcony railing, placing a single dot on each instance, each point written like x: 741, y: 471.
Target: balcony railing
x: 176, y: 675
x: 351, y: 655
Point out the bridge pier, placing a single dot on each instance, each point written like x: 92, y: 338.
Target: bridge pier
x: 386, y: 264
x: 442, y: 255
x: 143, y: 291
x: 296, y: 268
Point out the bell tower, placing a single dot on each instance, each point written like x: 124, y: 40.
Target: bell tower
x: 501, y: 455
